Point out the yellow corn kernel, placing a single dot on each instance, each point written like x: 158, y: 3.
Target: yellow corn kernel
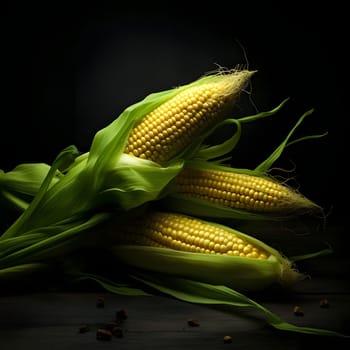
x: 239, y: 191
x: 171, y: 127
x: 180, y: 232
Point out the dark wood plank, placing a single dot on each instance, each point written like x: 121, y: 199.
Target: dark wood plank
x: 51, y: 320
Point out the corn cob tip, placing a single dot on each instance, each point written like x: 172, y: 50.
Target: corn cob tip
x: 303, y: 204
x: 250, y: 193
x: 296, y: 203
x: 232, y: 82
x: 289, y: 274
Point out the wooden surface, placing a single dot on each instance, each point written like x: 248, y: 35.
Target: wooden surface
x: 51, y: 320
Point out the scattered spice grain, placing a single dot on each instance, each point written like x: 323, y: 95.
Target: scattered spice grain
x: 121, y: 315
x: 324, y: 303
x: 84, y: 328
x: 110, y: 325
x: 227, y: 339
x: 103, y: 334
x: 193, y: 323
x: 298, y: 311
x: 118, y: 332
x: 100, y: 302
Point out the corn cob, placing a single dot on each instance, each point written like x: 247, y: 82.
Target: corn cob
x: 172, y: 126
x: 170, y: 230
x: 180, y: 245
x: 230, y: 188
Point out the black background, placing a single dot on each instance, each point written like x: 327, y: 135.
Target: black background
x: 69, y: 69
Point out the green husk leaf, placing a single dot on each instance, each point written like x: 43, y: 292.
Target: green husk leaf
x: 26, y: 178
x: 9, y: 245
x: 14, y: 202
x: 216, y: 151
x: 64, y: 159
x: 112, y: 286
x: 135, y: 182
x: 267, y: 163
x: 252, y: 118
x: 59, y: 239
x: 312, y: 255
x: 18, y: 272
x: 208, y: 294
x: 308, y: 137
x: 243, y: 274
x: 219, y: 150
x: 19, y: 185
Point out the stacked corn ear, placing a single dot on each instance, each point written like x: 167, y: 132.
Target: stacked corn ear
x: 19, y: 185
x: 215, y: 190
x: 171, y: 127
x: 179, y: 245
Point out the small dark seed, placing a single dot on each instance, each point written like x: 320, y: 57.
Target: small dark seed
x: 84, y: 328
x: 117, y: 331
x: 103, y: 334
x: 324, y: 303
x: 298, y: 311
x: 100, y: 302
x: 227, y: 339
x: 193, y: 323
x: 121, y: 315
x: 110, y: 325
